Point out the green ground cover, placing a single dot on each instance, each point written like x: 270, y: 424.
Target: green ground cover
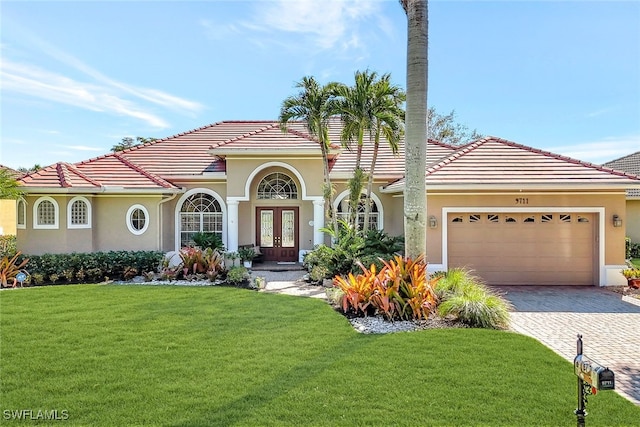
x: 192, y: 356
x: 636, y: 262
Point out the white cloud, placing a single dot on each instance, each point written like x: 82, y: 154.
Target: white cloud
x: 601, y: 151
x: 327, y: 22
x: 81, y: 148
x: 33, y: 81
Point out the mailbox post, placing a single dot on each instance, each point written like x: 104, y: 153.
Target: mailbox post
x: 591, y: 378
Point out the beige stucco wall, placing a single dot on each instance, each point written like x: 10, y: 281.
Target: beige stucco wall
x: 108, y: 232
x: 7, y: 217
x: 632, y: 220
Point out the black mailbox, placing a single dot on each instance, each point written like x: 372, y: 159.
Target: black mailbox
x: 593, y: 374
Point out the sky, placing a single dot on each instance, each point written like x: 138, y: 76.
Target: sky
x: 77, y: 77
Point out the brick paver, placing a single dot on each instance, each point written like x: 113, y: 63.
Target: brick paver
x: 610, y: 327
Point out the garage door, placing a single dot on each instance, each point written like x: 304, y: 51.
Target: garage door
x: 524, y: 249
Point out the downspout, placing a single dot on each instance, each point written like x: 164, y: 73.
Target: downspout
x: 163, y: 201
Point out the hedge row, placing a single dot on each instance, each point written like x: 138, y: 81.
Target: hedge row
x: 91, y: 267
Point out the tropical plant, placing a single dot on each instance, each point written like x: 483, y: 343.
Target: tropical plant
x: 415, y: 291
x: 9, y: 269
x: 314, y: 104
x: 7, y: 245
x: 358, y: 290
x: 476, y: 306
x: 9, y: 188
x: 415, y: 196
x: 246, y: 253
x: 238, y: 275
x: 208, y: 240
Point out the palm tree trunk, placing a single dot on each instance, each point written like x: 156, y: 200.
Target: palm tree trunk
x: 415, y: 196
x: 367, y: 206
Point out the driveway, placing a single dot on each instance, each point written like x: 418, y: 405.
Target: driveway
x: 610, y: 327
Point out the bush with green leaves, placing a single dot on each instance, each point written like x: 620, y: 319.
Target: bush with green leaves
x: 349, y: 250
x: 465, y: 298
x: 238, y: 276
x: 632, y: 250
x: 206, y: 240
x: 91, y: 267
x: 8, y: 246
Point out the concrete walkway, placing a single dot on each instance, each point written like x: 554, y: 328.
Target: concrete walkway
x: 610, y: 327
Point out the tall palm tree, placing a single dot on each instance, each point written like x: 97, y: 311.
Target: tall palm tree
x: 314, y: 104
x: 388, y: 120
x: 354, y: 103
x: 415, y: 195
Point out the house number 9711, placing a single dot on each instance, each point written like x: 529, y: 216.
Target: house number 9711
x: 522, y: 200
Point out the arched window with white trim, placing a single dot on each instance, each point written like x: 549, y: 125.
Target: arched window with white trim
x: 79, y: 213
x: 200, y: 212
x: 375, y: 211
x: 21, y: 214
x: 46, y: 213
x: 279, y: 186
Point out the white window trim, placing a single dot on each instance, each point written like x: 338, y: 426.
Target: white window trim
x: 69, y: 216
x: 36, y: 205
x: 22, y: 203
x: 128, y: 219
x: 346, y: 193
x: 180, y: 202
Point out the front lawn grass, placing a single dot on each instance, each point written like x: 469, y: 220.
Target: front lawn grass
x: 635, y: 262
x: 203, y: 356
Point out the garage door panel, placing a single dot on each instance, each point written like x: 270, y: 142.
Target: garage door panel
x: 553, y: 249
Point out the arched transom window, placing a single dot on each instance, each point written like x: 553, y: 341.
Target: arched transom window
x: 200, y: 212
x: 374, y: 213
x: 277, y: 186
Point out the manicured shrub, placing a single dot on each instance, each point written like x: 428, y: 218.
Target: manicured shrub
x: 7, y: 246
x: 238, y: 276
x: 91, y: 267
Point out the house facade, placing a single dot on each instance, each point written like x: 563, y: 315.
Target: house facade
x: 514, y: 214
x: 630, y: 164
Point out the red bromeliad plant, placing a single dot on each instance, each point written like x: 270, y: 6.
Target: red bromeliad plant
x: 402, y: 289
x: 415, y: 291
x: 357, y: 290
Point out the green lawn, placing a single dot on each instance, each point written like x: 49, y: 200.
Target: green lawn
x: 209, y: 356
x: 636, y: 262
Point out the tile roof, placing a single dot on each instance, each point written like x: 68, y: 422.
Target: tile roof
x: 12, y: 172
x: 628, y: 164
x: 95, y: 175
x: 494, y: 162
x: 155, y: 166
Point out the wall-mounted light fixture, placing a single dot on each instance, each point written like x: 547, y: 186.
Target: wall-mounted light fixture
x: 433, y: 222
x: 617, y: 221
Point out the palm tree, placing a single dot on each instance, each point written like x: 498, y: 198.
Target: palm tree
x: 314, y: 104
x: 415, y: 195
x: 388, y: 120
x: 355, y: 113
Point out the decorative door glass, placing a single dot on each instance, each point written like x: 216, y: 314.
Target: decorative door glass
x: 288, y: 229
x: 266, y: 228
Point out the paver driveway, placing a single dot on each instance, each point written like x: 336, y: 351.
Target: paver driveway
x: 610, y: 327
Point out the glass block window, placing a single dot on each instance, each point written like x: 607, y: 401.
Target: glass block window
x: 45, y: 213
x: 200, y: 212
x: 277, y: 186
x: 137, y: 219
x: 21, y: 215
x: 79, y: 213
x: 374, y: 213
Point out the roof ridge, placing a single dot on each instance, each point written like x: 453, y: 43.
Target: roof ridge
x: 82, y: 175
x: 245, y: 135
x: 153, y: 177
x: 63, y: 175
x: 565, y: 158
x: 447, y: 159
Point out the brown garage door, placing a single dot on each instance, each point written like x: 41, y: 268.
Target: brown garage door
x: 525, y: 249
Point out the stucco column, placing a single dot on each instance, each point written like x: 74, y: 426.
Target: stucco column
x: 318, y: 221
x: 232, y: 225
